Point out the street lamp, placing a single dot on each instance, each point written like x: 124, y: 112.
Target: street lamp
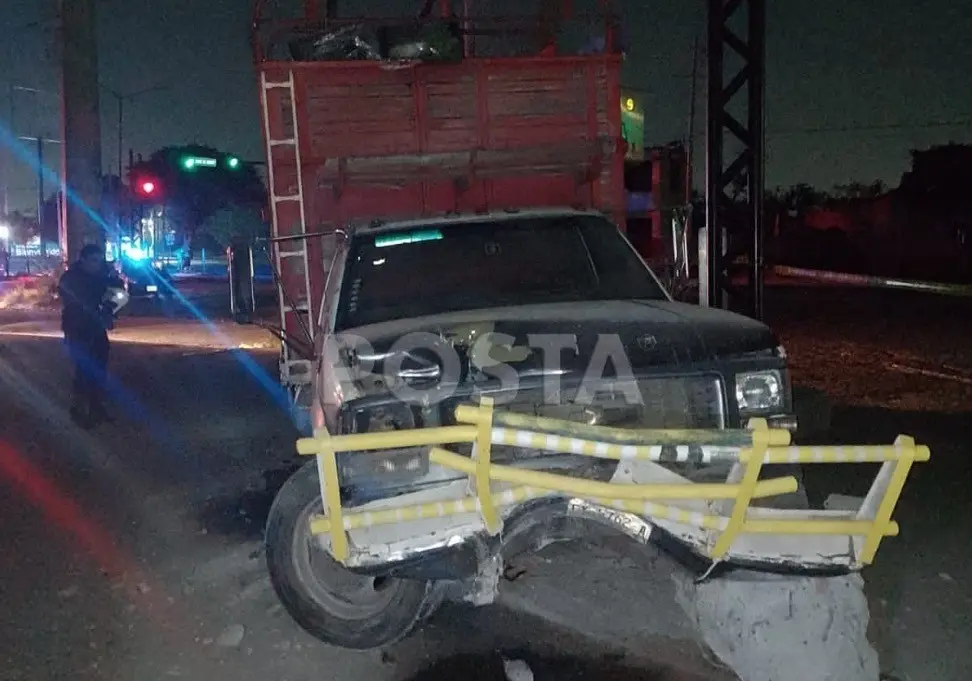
x: 121, y: 98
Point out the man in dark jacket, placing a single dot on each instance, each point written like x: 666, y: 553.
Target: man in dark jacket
x: 85, y: 320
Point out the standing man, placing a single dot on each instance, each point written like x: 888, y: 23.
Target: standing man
x: 85, y: 320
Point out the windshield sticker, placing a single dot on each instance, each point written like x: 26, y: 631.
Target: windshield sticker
x: 387, y: 240
x: 355, y: 293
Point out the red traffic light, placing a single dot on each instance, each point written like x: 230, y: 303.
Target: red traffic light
x: 146, y: 187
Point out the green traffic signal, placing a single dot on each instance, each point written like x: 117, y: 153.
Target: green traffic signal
x: 194, y: 162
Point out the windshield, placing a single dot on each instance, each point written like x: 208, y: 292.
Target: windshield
x: 494, y: 263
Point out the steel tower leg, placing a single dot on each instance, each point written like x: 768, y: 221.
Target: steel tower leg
x: 734, y: 162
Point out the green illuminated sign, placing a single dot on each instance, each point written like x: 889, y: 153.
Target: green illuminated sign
x: 633, y: 130
x: 407, y: 238
x: 191, y: 162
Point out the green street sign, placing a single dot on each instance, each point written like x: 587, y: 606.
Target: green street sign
x: 193, y: 162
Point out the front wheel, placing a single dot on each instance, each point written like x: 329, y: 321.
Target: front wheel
x: 330, y: 602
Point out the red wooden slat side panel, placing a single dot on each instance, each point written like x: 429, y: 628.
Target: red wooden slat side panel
x: 451, y: 112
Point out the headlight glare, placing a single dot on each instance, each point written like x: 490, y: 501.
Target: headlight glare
x: 759, y: 391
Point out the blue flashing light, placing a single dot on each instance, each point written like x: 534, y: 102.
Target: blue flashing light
x: 133, y: 252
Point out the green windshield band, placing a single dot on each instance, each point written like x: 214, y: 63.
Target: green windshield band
x: 386, y: 240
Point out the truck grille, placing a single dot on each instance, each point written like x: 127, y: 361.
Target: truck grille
x: 666, y: 402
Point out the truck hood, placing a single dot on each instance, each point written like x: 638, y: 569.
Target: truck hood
x: 650, y: 334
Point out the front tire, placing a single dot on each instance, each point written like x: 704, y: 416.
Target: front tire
x: 330, y: 602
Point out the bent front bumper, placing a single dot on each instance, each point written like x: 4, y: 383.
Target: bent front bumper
x: 458, y: 524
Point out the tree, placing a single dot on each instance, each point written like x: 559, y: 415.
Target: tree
x: 234, y: 222
x: 859, y: 190
x: 798, y: 199
x: 197, y: 181
x: 935, y: 190
x: 940, y: 172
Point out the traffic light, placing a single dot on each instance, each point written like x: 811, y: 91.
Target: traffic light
x: 146, y: 187
x: 192, y: 163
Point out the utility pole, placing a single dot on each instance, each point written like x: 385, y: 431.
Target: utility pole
x: 41, y: 169
x: 121, y: 98
x: 121, y: 128
x: 6, y: 158
x: 8, y: 154
x: 734, y: 227
x: 40, y: 194
x: 82, y: 126
x: 690, y: 141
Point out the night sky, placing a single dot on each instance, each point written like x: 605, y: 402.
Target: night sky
x: 852, y: 85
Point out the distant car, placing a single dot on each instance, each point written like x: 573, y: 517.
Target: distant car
x: 145, y: 278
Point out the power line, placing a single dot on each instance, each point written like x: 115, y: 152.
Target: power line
x: 927, y: 125
x: 886, y: 127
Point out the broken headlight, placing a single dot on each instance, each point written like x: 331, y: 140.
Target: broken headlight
x: 383, y: 467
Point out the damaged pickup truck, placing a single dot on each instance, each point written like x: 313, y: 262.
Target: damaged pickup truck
x: 550, y: 314
x: 483, y: 359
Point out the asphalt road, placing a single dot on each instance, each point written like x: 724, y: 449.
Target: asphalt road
x: 133, y: 552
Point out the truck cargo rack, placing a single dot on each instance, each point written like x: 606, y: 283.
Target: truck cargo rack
x: 716, y: 521
x: 349, y: 140
x: 270, y: 32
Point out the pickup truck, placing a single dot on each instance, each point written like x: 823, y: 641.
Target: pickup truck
x: 475, y: 353
x: 549, y: 312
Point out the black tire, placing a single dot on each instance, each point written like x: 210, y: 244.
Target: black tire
x: 312, y: 585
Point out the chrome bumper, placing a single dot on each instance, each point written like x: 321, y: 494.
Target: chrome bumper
x: 784, y: 422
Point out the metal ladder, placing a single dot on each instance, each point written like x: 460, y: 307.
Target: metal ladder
x: 290, y: 257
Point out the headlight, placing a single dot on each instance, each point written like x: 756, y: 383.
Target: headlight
x: 387, y: 467
x: 380, y: 419
x: 759, y: 391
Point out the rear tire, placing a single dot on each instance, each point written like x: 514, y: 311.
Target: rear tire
x: 330, y: 602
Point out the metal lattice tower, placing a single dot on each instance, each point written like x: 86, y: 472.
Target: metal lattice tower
x: 734, y: 156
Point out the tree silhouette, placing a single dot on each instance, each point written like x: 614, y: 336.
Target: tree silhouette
x: 797, y: 199
x: 860, y: 190
x: 194, y: 194
x: 234, y: 222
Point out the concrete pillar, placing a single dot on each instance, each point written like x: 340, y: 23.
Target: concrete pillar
x: 81, y: 125
x: 774, y: 628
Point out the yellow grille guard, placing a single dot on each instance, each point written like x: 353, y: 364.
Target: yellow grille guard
x: 715, y: 520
